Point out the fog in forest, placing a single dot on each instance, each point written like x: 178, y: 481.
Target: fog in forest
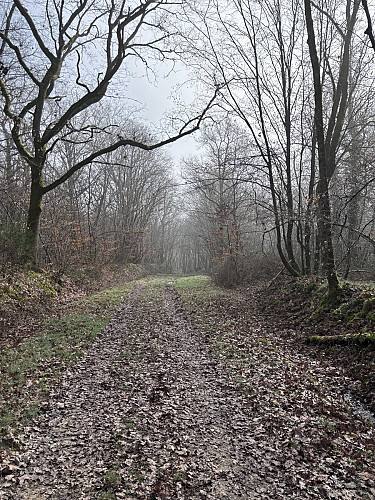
x: 228, y: 137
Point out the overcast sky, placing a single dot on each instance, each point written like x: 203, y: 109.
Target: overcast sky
x: 156, y: 98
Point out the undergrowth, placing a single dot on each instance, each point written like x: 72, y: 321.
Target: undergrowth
x: 25, y: 289
x: 302, y: 301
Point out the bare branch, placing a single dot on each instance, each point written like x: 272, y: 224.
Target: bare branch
x: 24, y: 12
x: 17, y: 51
x: 79, y: 74
x: 328, y: 15
x: 6, y: 31
x: 369, y: 31
x: 134, y: 143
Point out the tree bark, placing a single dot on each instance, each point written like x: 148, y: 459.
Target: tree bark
x: 324, y: 209
x: 33, y: 217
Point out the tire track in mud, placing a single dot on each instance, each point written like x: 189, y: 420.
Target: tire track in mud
x: 65, y: 451
x: 150, y: 412
x: 145, y: 407
x: 190, y: 416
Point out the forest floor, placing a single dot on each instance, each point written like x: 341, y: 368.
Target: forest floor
x: 190, y: 392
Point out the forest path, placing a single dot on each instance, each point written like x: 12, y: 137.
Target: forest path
x: 192, y: 395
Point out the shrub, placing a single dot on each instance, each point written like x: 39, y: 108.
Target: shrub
x: 232, y: 270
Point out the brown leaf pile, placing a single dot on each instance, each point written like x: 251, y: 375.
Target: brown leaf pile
x: 183, y: 400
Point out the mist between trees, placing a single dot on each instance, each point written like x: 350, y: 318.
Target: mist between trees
x: 284, y: 177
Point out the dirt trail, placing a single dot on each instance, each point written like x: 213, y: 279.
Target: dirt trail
x: 150, y: 412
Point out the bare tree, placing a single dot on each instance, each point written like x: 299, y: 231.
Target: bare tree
x: 253, y: 50
x: 47, y: 55
x: 324, y: 216
x: 256, y: 52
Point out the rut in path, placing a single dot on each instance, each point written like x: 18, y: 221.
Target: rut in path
x: 149, y: 412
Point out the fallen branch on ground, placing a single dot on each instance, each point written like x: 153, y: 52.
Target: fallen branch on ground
x: 359, y: 339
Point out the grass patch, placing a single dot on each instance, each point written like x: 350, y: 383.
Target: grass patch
x: 196, y: 285
x: 107, y: 496
x: 225, y: 349
x: 194, y: 282
x: 197, y: 290
x: 107, y: 300
x: 156, y: 281
x: 198, y: 294
x: 28, y: 371
x: 111, y: 479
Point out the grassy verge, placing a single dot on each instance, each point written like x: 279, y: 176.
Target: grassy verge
x: 28, y: 371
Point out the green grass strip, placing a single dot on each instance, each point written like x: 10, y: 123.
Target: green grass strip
x: 28, y: 371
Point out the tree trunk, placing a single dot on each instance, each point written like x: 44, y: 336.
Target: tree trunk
x: 324, y: 221
x: 325, y: 238
x: 33, y: 218
x: 355, y: 195
x: 308, y: 222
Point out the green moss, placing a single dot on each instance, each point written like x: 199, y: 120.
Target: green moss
x: 360, y: 339
x: 43, y: 282
x: 25, y: 288
x: 224, y: 349
x: 368, y: 310
x: 326, y: 299
x: 111, y: 479
x: 178, y: 477
x: 358, y: 307
x: 348, y: 309
x: 107, y: 496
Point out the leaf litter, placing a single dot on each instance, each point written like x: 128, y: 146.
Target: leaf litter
x: 180, y: 400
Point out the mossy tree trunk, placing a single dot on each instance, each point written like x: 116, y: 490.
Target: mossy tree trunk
x: 324, y: 209
x: 329, y: 138
x: 325, y: 239
x: 33, y: 217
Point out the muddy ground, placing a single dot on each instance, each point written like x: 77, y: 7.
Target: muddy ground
x: 195, y: 397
